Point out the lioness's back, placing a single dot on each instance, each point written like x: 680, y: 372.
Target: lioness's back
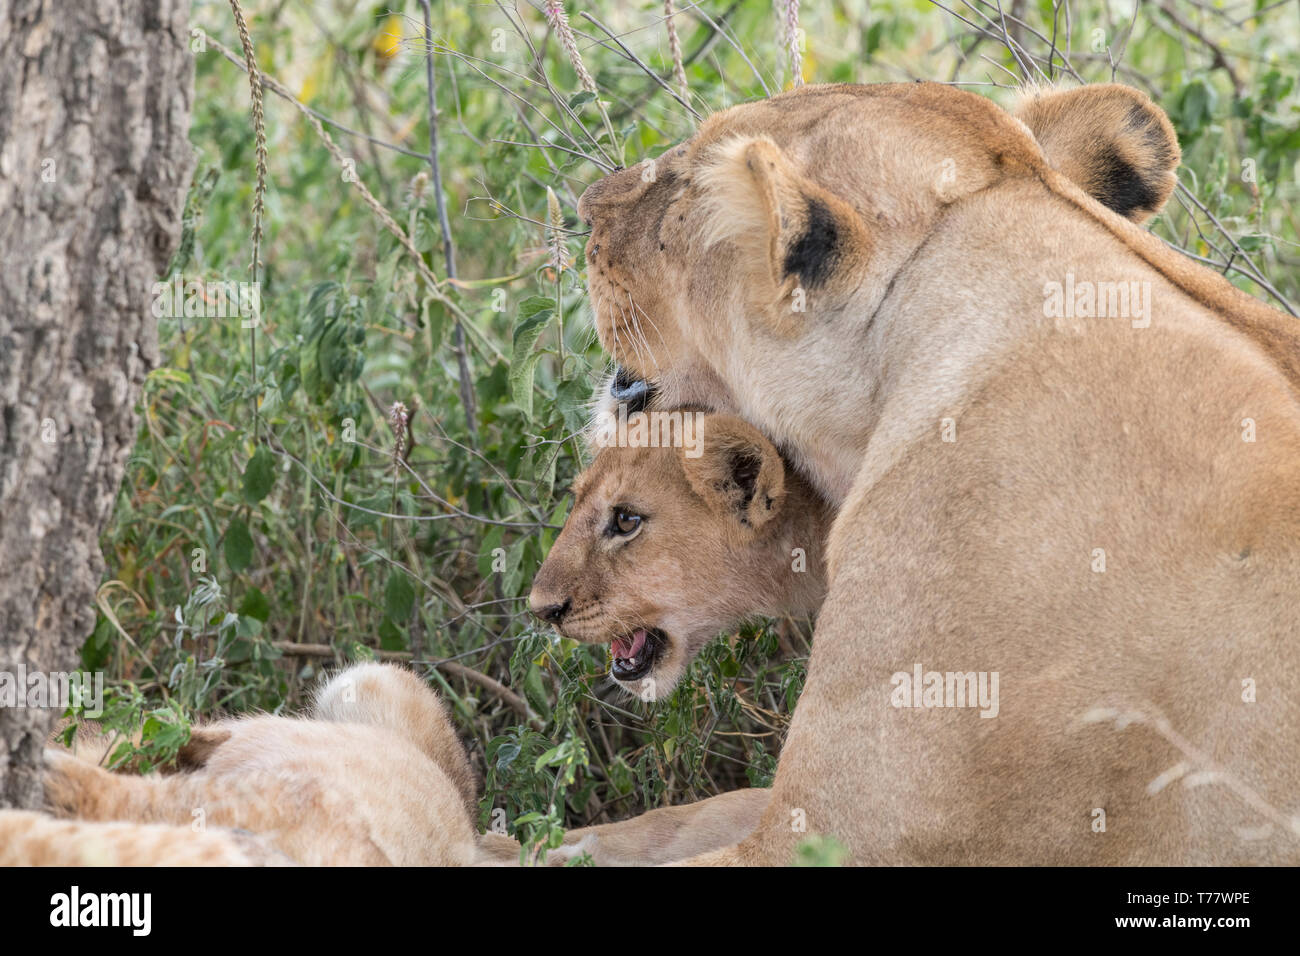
x: 1126, y: 572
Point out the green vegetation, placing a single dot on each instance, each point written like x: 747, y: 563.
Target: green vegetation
x: 329, y: 519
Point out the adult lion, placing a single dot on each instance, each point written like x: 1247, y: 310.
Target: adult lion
x: 1067, y: 460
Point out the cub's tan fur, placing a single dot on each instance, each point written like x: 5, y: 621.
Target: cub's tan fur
x: 863, y: 272
x: 725, y: 536
x: 375, y: 776
x: 729, y: 535
x: 36, y: 839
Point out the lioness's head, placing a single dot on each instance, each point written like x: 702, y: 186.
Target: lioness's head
x: 742, y: 269
x: 665, y: 547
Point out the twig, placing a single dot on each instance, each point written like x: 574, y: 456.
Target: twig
x: 791, y: 22
x: 384, y: 217
x: 454, y: 511
x: 637, y: 60
x: 272, y: 84
x: 734, y: 45
x: 564, y: 149
x: 259, y: 194
x: 675, y: 47
x: 1255, y: 274
x: 491, y: 685
x: 1218, y: 59
x: 467, y: 397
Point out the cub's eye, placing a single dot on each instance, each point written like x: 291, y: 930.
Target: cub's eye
x: 624, y: 522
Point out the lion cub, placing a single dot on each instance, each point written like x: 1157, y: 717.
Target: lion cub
x: 665, y: 547
x: 374, y: 776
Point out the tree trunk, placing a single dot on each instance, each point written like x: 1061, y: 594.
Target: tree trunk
x: 95, y: 161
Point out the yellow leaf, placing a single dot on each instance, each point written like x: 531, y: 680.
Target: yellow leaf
x: 389, y: 39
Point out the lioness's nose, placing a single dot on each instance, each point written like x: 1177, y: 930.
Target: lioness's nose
x: 550, y: 613
x: 617, y: 189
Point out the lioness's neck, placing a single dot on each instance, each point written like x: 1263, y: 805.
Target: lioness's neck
x: 798, y: 580
x: 947, y: 326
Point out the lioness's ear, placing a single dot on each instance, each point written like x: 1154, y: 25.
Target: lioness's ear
x: 738, y: 472
x: 1111, y: 140
x: 792, y: 229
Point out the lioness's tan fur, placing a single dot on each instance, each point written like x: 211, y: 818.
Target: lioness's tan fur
x: 862, y: 273
x: 656, y: 837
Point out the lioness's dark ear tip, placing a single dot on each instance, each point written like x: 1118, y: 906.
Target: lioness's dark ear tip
x: 1111, y: 139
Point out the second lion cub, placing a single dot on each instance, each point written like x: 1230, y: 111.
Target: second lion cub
x: 375, y: 775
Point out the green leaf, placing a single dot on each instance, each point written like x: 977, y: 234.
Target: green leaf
x: 390, y: 635
x: 506, y: 755
x: 399, y: 595
x: 238, y: 545
x: 544, y: 476
x: 98, y: 649
x: 514, y: 568
x: 546, y: 759
x: 535, y: 314
x: 573, y: 401
x: 871, y: 42
x: 255, y: 605
x: 579, y: 98
x: 259, y: 476
x: 535, y: 690
x: 491, y: 541
x: 435, y: 319
x: 521, y: 381
x: 533, y: 305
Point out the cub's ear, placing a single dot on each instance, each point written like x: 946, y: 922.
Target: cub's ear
x: 196, y: 752
x: 738, y: 472
x: 787, y: 226
x: 1111, y: 140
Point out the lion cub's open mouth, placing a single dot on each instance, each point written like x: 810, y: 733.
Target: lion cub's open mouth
x: 635, y: 653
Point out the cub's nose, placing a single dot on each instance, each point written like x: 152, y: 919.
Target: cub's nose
x: 550, y: 613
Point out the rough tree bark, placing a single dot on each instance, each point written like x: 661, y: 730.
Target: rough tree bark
x: 95, y: 100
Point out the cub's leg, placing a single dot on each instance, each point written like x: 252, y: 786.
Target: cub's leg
x: 293, y: 813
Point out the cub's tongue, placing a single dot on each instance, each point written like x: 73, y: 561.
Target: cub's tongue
x: 626, y: 648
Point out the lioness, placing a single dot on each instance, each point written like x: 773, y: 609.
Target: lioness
x: 374, y: 776
x: 666, y: 547
x: 1063, y: 454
